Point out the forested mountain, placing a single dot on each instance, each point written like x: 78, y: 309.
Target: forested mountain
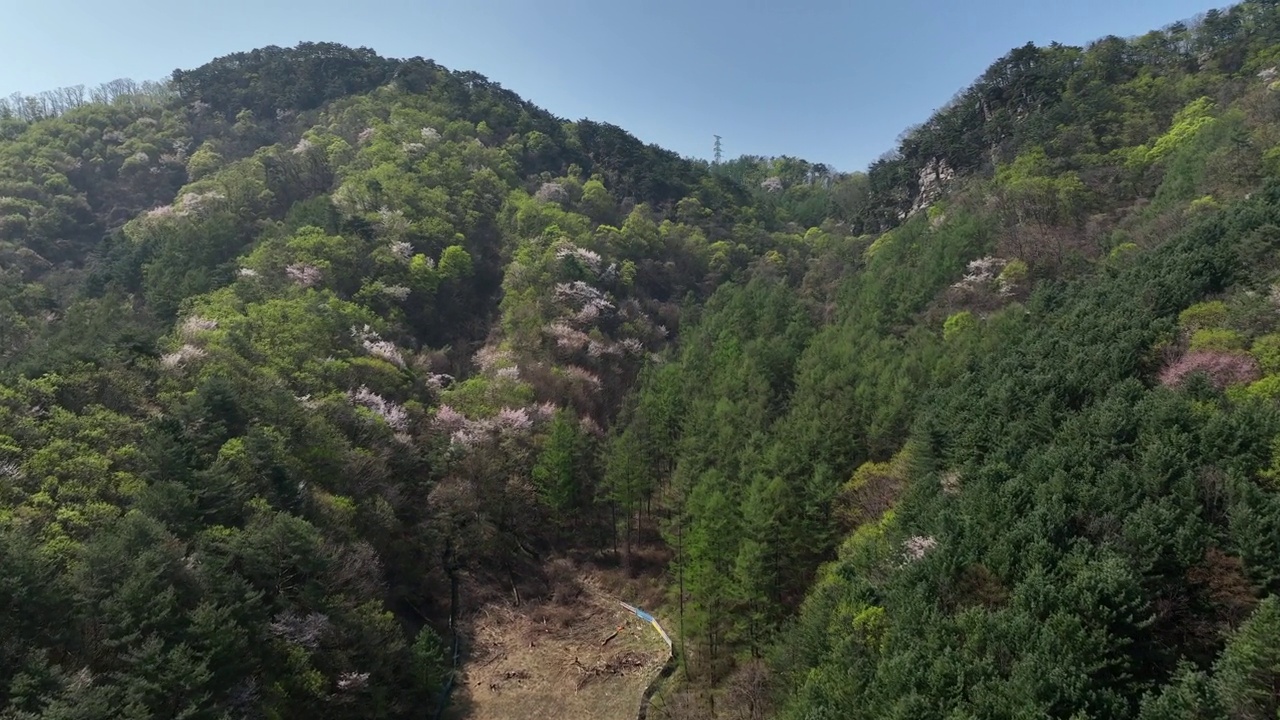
x: 307, y: 351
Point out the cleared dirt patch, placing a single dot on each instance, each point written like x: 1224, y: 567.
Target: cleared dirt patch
x: 551, y: 660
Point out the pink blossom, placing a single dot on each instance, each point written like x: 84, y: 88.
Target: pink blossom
x: 491, y: 358
x: 1222, y: 368
x: 583, y: 374
x: 447, y: 417
x: 439, y: 381
x: 567, y: 338
x: 514, y: 419
x: 365, y: 135
x: 590, y: 426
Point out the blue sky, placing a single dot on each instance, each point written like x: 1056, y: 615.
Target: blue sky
x: 829, y: 81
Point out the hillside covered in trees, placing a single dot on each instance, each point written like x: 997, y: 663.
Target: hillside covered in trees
x: 307, y: 352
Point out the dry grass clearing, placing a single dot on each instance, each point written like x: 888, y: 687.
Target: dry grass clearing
x: 551, y: 660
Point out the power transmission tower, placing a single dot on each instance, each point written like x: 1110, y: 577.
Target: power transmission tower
x: 717, y: 149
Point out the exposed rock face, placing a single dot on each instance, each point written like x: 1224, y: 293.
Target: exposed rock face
x: 932, y: 181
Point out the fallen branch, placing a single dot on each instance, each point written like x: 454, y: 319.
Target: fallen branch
x: 614, y: 635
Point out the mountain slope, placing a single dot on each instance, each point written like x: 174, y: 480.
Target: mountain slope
x: 309, y: 353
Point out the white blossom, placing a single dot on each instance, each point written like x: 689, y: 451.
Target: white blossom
x: 299, y: 630
x: 386, y: 350
x: 392, y: 222
x: 307, y: 402
x: 163, y: 212
x: 397, y: 292
x: 198, y: 202
x: 247, y: 272
x: 552, y: 192
x: 981, y: 272
x: 349, y: 681
x: 181, y: 357
x: 195, y: 325
x: 632, y: 346
x: 365, y: 135
x: 916, y: 547
x: 589, y: 258
x: 580, y: 293
x: 430, y: 134
x: 772, y: 185
x: 302, y: 146
x: 391, y: 413
x: 303, y: 274
x: 401, y: 251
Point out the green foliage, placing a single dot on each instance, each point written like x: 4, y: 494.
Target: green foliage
x: 1220, y: 339
x: 959, y: 325
x: 1203, y: 316
x: 388, y: 328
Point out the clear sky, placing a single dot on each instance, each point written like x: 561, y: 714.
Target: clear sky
x: 829, y: 81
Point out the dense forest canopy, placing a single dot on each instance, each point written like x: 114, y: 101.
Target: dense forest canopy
x: 306, y: 353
